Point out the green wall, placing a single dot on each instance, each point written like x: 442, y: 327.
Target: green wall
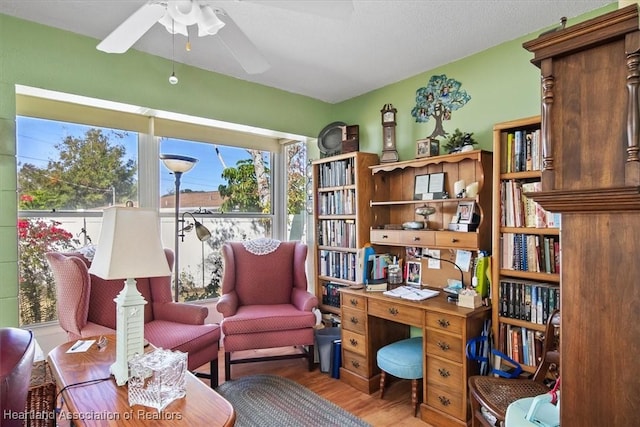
x: 502, y: 83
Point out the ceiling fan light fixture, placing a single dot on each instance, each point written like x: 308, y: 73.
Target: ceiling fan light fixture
x: 173, y: 79
x: 209, y: 24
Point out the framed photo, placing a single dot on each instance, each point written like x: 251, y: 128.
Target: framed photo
x: 414, y: 273
x: 464, y: 214
x: 421, y: 186
x: 427, y: 147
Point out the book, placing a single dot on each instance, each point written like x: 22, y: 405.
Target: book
x: 376, y: 286
x: 411, y: 293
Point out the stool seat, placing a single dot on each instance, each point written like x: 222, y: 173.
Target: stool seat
x: 402, y: 359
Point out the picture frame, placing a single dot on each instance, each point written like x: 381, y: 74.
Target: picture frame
x: 414, y: 274
x: 464, y: 213
x: 427, y: 147
x: 421, y: 186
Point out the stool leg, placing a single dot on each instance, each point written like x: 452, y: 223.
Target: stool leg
x: 383, y: 375
x: 414, y: 396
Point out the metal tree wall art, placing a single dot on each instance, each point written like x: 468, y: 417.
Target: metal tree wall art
x: 439, y: 99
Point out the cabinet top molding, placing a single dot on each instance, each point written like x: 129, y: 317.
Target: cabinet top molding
x: 583, y: 35
x: 418, y: 163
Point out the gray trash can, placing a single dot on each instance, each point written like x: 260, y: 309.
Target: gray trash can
x: 324, y: 341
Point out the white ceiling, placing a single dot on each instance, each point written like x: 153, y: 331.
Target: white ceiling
x: 327, y: 58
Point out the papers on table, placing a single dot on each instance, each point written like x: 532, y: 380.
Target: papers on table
x: 413, y: 294
x: 81, y: 346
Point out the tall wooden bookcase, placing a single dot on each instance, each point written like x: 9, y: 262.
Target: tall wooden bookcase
x: 526, y: 244
x: 342, y: 187
x: 590, y: 74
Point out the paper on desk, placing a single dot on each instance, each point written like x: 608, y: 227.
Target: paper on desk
x: 81, y: 346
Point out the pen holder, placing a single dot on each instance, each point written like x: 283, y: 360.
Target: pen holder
x: 469, y: 299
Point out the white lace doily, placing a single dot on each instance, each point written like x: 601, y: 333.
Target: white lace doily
x: 88, y: 252
x: 261, y: 246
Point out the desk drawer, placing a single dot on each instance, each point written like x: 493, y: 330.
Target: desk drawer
x: 444, y: 346
x: 354, y: 342
x: 353, y: 301
x: 445, y: 401
x: 444, y: 373
x: 389, y: 310
x: 386, y: 237
x: 444, y: 322
x: 356, y: 363
x: 457, y: 239
x: 354, y: 320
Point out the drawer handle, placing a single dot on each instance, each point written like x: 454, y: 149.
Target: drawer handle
x: 354, y: 342
x: 443, y: 372
x: 454, y: 240
x: 393, y: 311
x: 354, y: 302
x: 384, y: 236
x: 444, y: 323
x: 443, y: 346
x: 444, y: 401
x: 354, y: 320
x: 355, y: 363
x: 416, y: 239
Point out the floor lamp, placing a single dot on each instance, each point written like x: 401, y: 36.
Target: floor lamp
x: 178, y: 165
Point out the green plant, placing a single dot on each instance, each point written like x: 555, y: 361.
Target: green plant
x: 457, y: 140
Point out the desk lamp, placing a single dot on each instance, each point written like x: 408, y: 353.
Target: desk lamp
x: 129, y: 247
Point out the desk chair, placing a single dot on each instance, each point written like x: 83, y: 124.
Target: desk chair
x: 402, y: 359
x: 495, y: 394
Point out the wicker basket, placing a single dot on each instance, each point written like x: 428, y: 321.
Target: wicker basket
x: 41, y: 399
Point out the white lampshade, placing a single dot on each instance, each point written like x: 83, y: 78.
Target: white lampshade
x: 177, y: 163
x: 130, y: 245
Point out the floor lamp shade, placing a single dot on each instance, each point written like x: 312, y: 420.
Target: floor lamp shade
x: 129, y: 247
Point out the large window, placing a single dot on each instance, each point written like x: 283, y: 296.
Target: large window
x: 69, y: 172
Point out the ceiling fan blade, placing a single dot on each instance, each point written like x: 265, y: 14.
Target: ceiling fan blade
x: 335, y: 9
x: 243, y: 49
x: 134, y: 27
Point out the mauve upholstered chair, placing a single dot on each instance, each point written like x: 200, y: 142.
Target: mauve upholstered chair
x: 265, y: 302
x: 86, y: 308
x: 16, y: 361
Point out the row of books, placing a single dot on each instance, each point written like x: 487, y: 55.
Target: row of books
x: 338, y: 202
x: 527, y: 300
x: 336, y: 173
x: 335, y: 232
x: 341, y: 265
x: 523, y: 151
x: 521, y: 344
x: 331, y: 294
x: 530, y: 252
x: 518, y: 210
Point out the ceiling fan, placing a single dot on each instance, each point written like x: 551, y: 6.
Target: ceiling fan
x: 177, y: 15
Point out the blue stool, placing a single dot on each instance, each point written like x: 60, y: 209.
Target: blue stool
x: 402, y: 359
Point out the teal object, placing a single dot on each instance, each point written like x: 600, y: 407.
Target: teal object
x: 368, y: 251
x: 402, y: 359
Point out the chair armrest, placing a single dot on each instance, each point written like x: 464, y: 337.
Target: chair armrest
x: 179, y: 312
x: 228, y: 304
x: 303, y: 300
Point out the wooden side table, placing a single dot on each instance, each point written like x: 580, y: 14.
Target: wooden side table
x: 92, y: 398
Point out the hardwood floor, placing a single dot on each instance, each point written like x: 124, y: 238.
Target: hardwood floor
x: 394, y: 410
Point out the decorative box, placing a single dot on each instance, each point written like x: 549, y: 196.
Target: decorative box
x: 157, y: 378
x: 469, y: 299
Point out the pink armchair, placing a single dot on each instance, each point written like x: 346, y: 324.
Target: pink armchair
x: 86, y: 308
x: 265, y: 302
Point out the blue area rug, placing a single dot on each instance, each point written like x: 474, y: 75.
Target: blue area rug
x: 274, y: 401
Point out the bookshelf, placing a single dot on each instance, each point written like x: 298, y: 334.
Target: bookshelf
x: 342, y: 188
x: 526, y: 243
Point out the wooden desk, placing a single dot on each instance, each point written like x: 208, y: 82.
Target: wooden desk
x: 104, y: 403
x: 371, y: 320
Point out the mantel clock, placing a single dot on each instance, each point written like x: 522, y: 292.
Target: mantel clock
x: 389, y: 151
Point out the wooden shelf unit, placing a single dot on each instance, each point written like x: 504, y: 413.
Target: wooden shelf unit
x: 394, y: 204
x: 505, y: 229
x: 342, y: 188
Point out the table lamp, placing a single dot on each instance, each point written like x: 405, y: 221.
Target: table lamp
x: 129, y: 247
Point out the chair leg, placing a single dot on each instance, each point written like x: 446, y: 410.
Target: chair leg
x: 383, y: 376
x: 227, y: 366
x: 213, y: 367
x: 414, y: 396
x: 310, y: 356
